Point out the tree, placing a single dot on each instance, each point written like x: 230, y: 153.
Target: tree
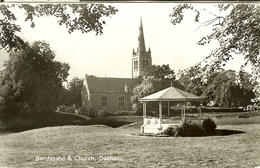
x: 148, y: 86
x: 192, y: 81
x: 83, y: 17
x: 75, y: 86
x: 66, y: 97
x: 72, y: 95
x: 159, y: 71
x: 236, y: 29
x: 155, y: 78
x: 32, y: 81
x: 230, y: 88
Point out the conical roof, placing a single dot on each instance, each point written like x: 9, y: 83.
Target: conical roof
x: 141, y: 42
x: 172, y: 94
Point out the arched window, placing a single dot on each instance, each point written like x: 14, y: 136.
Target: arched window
x: 135, y: 65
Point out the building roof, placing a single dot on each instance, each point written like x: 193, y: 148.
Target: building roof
x: 172, y: 94
x: 98, y: 84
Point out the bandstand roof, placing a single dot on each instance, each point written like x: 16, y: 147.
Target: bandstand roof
x: 172, y: 94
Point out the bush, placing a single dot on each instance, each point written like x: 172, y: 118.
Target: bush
x: 106, y: 113
x: 219, y: 109
x: 189, y: 128
x: 209, y: 125
x: 69, y: 109
x: 102, y: 113
x: 62, y: 108
x: 170, y: 131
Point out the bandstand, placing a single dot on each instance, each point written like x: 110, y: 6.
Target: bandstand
x: 155, y: 125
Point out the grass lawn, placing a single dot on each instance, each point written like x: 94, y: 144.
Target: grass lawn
x: 86, y: 145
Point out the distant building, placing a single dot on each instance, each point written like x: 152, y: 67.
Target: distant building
x: 114, y: 93
x: 108, y: 93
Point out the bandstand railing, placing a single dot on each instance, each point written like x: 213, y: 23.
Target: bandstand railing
x: 151, y: 121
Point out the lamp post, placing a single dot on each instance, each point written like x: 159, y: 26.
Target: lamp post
x: 171, y: 77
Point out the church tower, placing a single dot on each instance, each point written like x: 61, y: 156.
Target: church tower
x: 141, y: 58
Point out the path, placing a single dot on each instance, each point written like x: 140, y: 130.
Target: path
x: 79, y: 115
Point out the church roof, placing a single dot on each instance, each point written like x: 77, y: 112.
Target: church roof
x: 99, y: 84
x: 172, y: 94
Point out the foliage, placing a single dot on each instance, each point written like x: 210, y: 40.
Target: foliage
x: 159, y: 71
x: 155, y: 78
x: 75, y: 86
x: 192, y: 82
x: 220, y: 110
x: 209, y: 125
x: 236, y: 28
x: 189, y: 128
x: 69, y: 109
x: 228, y: 88
x: 148, y: 86
x: 65, y: 97
x: 106, y: 113
x: 72, y: 95
x: 32, y: 81
x: 171, y: 131
x: 83, y: 17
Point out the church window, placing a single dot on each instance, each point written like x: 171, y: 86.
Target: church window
x: 103, y: 101
x: 121, y: 101
x: 135, y: 65
x: 146, y: 62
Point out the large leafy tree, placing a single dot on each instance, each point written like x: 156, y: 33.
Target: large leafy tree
x: 85, y: 17
x: 230, y: 88
x: 192, y: 81
x: 237, y: 30
x: 75, y: 86
x: 72, y: 94
x: 165, y: 74
x: 32, y: 81
x: 159, y: 71
x: 226, y: 88
x: 148, y: 86
x: 156, y: 77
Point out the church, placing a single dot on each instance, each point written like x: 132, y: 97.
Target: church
x: 114, y: 93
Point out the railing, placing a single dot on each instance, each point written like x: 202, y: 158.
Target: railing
x: 156, y: 121
x: 151, y: 121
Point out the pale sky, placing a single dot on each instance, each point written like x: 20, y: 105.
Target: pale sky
x: 110, y: 54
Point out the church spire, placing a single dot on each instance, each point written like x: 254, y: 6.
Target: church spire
x: 141, y: 43
x: 141, y: 58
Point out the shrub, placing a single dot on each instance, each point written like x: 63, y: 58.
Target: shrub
x: 189, y: 128
x: 62, y: 108
x: 103, y: 113
x: 69, y: 109
x: 209, y: 125
x: 170, y: 131
x: 219, y: 109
